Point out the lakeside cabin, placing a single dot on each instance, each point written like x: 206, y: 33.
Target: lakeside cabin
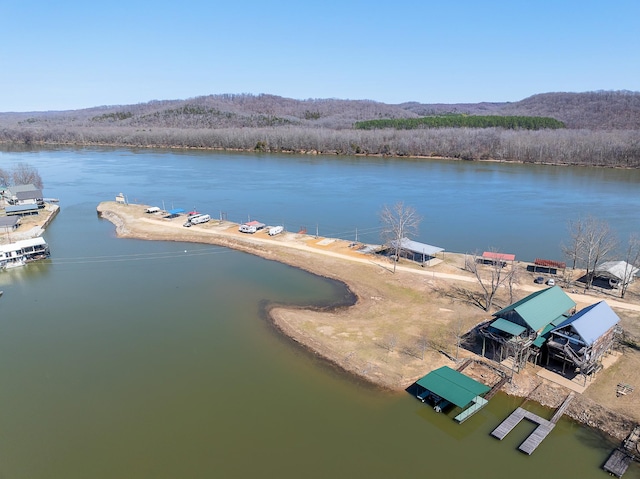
x: 583, y: 339
x: 21, y: 195
x: 518, y: 331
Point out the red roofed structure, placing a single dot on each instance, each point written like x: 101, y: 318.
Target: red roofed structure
x: 490, y: 255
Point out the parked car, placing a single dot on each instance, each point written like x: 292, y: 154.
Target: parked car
x: 539, y: 280
x: 551, y: 282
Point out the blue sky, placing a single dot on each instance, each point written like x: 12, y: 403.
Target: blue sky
x: 57, y: 55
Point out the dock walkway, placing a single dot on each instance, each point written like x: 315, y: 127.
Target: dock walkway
x: 537, y: 436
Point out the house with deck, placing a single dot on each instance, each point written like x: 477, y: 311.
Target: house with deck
x: 518, y: 331
x: 24, y: 195
x: 582, y: 340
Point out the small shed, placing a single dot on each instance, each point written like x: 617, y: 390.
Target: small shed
x: 548, y: 266
x: 9, y: 223
x: 491, y: 257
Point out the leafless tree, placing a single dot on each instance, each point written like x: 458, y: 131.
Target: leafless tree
x: 490, y: 276
x: 632, y: 258
x: 573, y: 249
x: 598, y: 241
x: 398, y: 222
x: 24, y: 174
x: 5, y: 177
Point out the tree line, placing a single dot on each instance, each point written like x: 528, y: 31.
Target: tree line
x: 616, y: 148
x: 463, y: 121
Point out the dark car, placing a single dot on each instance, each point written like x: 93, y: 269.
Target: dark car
x: 539, y: 280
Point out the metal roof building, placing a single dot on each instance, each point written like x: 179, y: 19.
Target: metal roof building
x: 519, y: 330
x: 616, y: 272
x: 414, y: 250
x: 590, y: 323
x: 453, y: 386
x: 539, y: 309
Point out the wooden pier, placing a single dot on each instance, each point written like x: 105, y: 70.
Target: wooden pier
x: 536, y: 437
x: 623, y: 456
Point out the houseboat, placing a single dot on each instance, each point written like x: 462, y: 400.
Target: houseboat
x: 22, y: 252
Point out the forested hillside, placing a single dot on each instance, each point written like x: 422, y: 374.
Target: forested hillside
x: 602, y: 128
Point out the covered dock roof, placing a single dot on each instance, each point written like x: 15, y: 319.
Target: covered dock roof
x: 453, y: 386
x: 417, y: 247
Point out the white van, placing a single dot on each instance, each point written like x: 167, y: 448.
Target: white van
x: 152, y: 209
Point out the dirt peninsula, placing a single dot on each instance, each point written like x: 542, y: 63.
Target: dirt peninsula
x: 402, y: 325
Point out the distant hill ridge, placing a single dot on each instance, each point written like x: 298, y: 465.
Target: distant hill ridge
x: 600, y: 110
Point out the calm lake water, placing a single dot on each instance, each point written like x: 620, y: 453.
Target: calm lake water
x: 124, y: 358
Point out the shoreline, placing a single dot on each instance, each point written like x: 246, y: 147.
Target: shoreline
x: 306, y: 152
x: 371, y: 338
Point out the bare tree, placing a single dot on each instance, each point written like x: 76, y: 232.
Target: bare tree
x: 574, y: 248
x: 632, y: 259
x: 597, y: 243
x: 24, y: 174
x: 491, y: 276
x: 398, y: 222
x: 5, y: 177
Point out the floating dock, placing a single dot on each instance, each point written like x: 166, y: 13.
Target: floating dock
x: 536, y: 437
x: 623, y: 456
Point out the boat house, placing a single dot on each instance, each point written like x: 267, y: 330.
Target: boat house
x: 518, y: 331
x: 445, y: 386
x: 581, y: 340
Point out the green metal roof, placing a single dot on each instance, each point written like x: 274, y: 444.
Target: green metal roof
x: 453, y: 386
x: 541, y: 308
x: 508, y: 327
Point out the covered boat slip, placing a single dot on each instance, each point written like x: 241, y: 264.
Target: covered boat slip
x: 446, y: 385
